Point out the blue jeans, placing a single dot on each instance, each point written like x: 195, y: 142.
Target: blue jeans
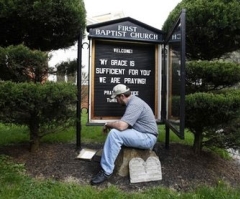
x: 128, y: 138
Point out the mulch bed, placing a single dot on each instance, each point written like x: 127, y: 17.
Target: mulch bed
x: 182, y: 170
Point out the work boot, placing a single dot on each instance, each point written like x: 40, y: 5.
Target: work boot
x: 100, y: 177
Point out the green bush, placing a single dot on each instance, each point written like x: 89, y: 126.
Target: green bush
x: 207, y: 76
x: 211, y: 116
x: 20, y: 64
x: 44, y: 108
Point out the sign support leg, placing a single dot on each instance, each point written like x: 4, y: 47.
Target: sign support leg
x: 79, y: 84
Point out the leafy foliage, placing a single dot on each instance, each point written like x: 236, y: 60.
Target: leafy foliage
x: 44, y: 108
x: 212, y: 105
x: 213, y: 27
x: 205, y: 76
x: 20, y: 64
x: 43, y: 25
x: 214, y: 119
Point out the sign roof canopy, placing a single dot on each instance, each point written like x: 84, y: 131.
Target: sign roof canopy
x: 126, y: 29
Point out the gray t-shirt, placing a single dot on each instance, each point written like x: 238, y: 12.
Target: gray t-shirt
x: 140, y: 116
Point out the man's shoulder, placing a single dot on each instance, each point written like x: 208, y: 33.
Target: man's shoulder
x: 134, y: 97
x: 135, y: 100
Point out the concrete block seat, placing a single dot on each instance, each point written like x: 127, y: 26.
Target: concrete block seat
x: 127, y: 154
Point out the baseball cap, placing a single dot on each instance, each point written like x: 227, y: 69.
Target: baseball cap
x: 119, y: 89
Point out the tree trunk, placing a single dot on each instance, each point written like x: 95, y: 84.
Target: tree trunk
x: 34, y: 134
x: 34, y: 143
x: 197, y: 144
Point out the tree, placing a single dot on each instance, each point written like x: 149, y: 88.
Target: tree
x: 42, y: 25
x: 213, y: 118
x: 213, y: 27
x: 212, y: 110
x: 44, y: 108
x: 29, y: 28
x: 212, y: 105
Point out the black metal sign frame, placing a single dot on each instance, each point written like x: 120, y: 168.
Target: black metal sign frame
x: 175, y: 78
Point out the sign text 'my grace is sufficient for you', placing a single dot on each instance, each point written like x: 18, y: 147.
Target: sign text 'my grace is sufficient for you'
x: 120, y: 71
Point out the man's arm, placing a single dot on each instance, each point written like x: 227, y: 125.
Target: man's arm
x: 119, y: 125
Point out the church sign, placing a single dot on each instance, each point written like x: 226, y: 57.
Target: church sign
x: 123, y: 51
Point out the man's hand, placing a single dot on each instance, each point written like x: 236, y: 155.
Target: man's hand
x: 105, y: 129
